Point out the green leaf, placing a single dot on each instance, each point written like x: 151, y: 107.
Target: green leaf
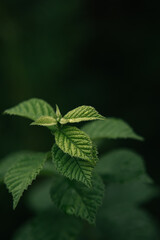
x: 82, y: 113
x: 9, y: 160
x: 33, y: 109
x: 73, y: 141
x: 45, y: 121
x: 22, y: 173
x: 76, y: 199
x: 122, y: 165
x: 50, y: 226
x: 110, y: 128
x: 58, y: 113
x: 72, y: 167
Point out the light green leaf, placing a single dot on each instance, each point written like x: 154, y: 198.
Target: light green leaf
x: 73, y: 141
x: 72, y: 167
x: 110, y: 128
x: 22, y: 173
x: 33, y: 109
x: 45, y: 121
x: 82, y: 113
x: 58, y: 113
x: 50, y: 226
x: 122, y: 165
x: 76, y: 199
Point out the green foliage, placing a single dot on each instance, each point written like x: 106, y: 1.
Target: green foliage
x: 73, y: 141
x: 122, y: 165
x: 45, y: 121
x: 25, y: 232
x: 110, y: 128
x: 49, y: 226
x: 82, y: 113
x: 8, y: 161
x: 122, y: 218
x: 38, y: 198
x: 125, y: 193
x: 70, y: 180
x: 22, y: 173
x: 76, y: 199
x: 58, y: 113
x: 72, y: 167
x: 32, y: 109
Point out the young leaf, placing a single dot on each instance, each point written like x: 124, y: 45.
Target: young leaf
x: 50, y: 225
x: 58, y: 113
x: 22, y: 173
x: 73, y: 141
x: 32, y: 109
x: 110, y: 128
x: 122, y: 165
x: 45, y: 121
x: 82, y: 113
x: 72, y: 167
x: 76, y: 199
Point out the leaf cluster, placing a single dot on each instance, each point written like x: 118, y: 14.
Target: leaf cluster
x: 77, y: 175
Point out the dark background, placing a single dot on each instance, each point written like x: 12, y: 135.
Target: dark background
x: 100, y: 53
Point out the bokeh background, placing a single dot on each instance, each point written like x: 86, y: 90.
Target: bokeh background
x: 100, y: 53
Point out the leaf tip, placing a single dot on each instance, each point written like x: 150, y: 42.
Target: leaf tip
x: 33, y: 124
x: 5, y: 112
x: 140, y: 138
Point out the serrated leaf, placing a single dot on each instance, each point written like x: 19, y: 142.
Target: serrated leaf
x: 110, y: 128
x: 7, y: 162
x: 22, y: 173
x: 122, y: 165
x: 72, y: 167
x: 50, y: 226
x: 45, y: 121
x: 76, y: 199
x: 33, y: 109
x: 82, y: 113
x: 73, y: 141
